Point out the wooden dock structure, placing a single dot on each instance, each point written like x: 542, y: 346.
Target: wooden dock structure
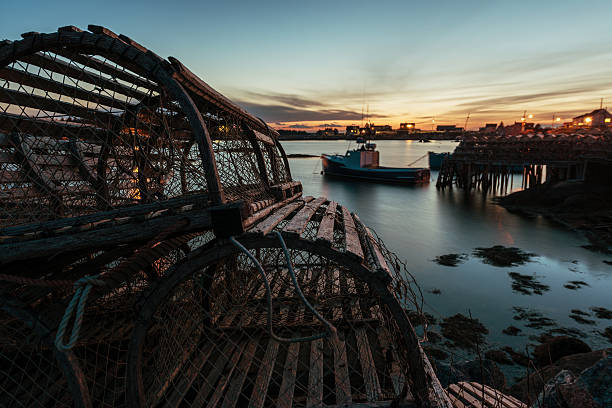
x: 141, y: 265
x: 489, y: 163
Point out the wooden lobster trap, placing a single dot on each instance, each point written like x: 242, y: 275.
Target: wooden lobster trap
x: 148, y: 213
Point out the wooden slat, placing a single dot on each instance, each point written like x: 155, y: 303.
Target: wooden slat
x: 315, y: 376
x: 370, y: 376
x: 268, y: 224
x: 61, y: 67
x: 213, y: 374
x: 379, y: 260
x: 189, y: 375
x: 260, y: 389
x: 107, y: 68
x: 287, y: 388
x: 263, y: 138
x: 464, y: 396
x: 50, y: 128
x: 50, y: 85
x: 326, y: 228
x: 493, y: 397
x: 227, y: 373
x: 395, y: 372
x: 235, y: 388
x: 456, y: 402
x: 300, y: 220
x: 101, y: 118
x: 341, y: 373
x: 353, y: 246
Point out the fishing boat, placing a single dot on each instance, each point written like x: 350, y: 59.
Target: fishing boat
x: 436, y: 159
x: 363, y: 163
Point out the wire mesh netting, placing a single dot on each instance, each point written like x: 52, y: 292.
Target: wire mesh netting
x: 79, y: 134
x: 208, y: 342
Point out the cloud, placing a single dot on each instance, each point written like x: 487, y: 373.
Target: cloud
x: 279, y: 113
x: 292, y: 100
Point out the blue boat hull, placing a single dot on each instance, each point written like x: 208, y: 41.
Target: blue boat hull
x: 333, y: 167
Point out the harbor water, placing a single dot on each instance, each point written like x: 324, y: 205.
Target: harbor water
x: 421, y: 222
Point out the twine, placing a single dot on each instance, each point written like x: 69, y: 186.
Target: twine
x: 82, y: 288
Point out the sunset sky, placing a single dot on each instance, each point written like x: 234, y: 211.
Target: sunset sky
x: 310, y: 64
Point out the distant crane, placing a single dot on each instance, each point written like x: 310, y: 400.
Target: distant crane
x: 466, y: 122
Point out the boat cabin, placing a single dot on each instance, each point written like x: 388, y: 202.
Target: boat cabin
x: 365, y: 157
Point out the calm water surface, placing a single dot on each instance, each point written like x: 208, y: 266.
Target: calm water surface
x: 420, y: 223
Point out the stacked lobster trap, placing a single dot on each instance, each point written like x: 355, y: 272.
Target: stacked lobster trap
x: 155, y: 250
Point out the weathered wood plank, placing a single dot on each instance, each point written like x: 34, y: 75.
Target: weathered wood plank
x: 260, y: 389
x: 213, y: 375
x: 300, y: 220
x: 353, y: 245
x: 61, y: 67
x: 287, y: 387
x: 188, y: 376
x: 47, y: 84
x: 464, y: 396
x: 370, y: 376
x: 98, y: 117
x: 326, y: 228
x: 388, y: 349
x: 341, y: 373
x: 235, y: 388
x: 268, y: 224
x: 493, y: 397
x: 99, y: 65
x: 380, y: 264
x: 315, y: 375
x: 227, y: 374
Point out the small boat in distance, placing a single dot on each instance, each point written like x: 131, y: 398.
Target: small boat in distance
x: 363, y: 163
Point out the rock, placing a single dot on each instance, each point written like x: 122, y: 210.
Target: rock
x: 519, y: 358
x: 499, y: 356
x: 463, y: 332
x: 597, y: 380
x: 564, y: 391
x: 435, y: 353
x: 450, y: 259
x: 556, y: 347
x: 602, y: 312
x: 511, y: 331
x: 482, y: 371
x: 501, y: 256
x: 528, y: 388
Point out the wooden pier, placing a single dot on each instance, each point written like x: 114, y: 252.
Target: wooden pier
x: 489, y: 163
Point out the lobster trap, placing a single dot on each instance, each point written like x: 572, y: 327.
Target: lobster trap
x: 168, y: 218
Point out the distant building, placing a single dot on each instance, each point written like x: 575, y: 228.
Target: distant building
x: 448, y: 128
x: 328, y: 132
x: 381, y: 128
x: 352, y: 131
x: 410, y: 126
x: 488, y: 128
x: 597, y: 118
x: 407, y: 128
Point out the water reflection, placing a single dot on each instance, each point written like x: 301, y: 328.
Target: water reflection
x: 420, y: 223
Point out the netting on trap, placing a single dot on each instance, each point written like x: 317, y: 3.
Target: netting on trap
x: 92, y: 121
x: 97, y: 364
x: 204, y: 339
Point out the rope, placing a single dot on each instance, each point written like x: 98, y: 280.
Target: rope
x: 331, y: 330
x: 420, y: 158
x: 83, y: 287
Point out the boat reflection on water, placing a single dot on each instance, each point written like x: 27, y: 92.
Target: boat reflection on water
x: 362, y: 163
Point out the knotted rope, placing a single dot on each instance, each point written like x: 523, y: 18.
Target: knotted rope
x: 82, y: 288
x: 331, y: 330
